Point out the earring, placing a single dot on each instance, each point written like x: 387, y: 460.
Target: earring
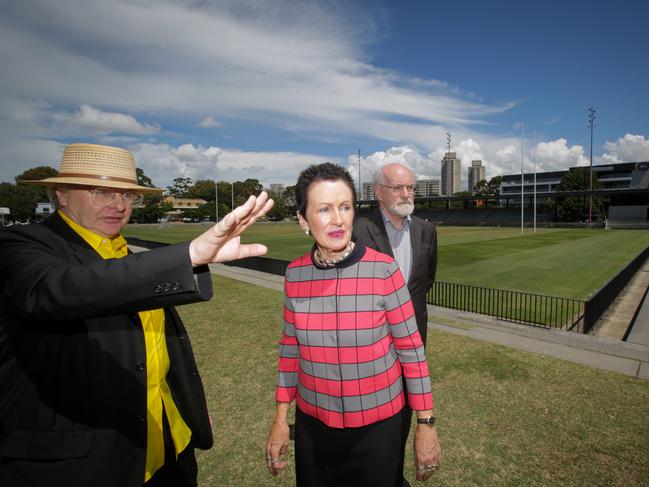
x: 306, y: 231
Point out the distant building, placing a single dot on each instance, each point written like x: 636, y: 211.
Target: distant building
x: 476, y: 173
x: 625, y: 175
x: 43, y: 210
x: 277, y: 188
x: 368, y: 191
x: 180, y: 205
x: 451, y: 174
x: 184, y: 203
x: 426, y: 188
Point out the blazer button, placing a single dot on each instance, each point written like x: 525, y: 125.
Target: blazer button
x: 140, y: 367
x: 140, y: 419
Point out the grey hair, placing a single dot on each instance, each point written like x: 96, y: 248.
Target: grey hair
x: 54, y: 200
x: 378, y: 174
x: 51, y: 194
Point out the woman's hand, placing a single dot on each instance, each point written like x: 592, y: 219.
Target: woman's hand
x: 276, y: 446
x: 428, y: 453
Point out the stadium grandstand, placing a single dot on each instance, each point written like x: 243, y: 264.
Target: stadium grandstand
x: 623, y: 193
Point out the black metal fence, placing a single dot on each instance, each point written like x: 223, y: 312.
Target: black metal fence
x: 600, y: 300
x: 518, y: 307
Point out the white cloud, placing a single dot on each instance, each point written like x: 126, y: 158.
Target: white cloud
x: 419, y: 163
x: 91, y: 120
x: 630, y: 148
x: 556, y: 155
x: 499, y: 156
x: 293, y: 66
x: 209, y: 122
x: 162, y: 163
x: 267, y: 61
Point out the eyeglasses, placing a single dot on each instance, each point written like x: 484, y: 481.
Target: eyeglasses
x: 103, y: 197
x: 410, y: 188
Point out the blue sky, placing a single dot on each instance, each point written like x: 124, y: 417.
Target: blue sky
x: 263, y: 89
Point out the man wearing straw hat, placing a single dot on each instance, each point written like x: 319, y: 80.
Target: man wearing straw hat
x: 98, y: 382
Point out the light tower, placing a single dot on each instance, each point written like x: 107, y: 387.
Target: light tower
x: 591, y: 124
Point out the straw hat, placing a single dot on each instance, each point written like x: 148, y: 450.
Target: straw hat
x: 97, y: 165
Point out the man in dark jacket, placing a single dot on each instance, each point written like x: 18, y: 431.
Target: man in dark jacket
x: 411, y: 241
x: 98, y: 382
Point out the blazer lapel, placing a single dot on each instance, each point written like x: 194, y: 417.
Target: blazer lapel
x: 380, y: 234
x: 75, y: 241
x: 416, y: 235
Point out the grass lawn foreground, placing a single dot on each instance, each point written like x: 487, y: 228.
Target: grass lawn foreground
x: 506, y: 417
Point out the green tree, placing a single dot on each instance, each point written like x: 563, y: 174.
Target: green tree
x: 150, y: 213
x: 203, y: 189
x: 205, y: 210
x: 481, y: 187
x: 575, y: 208
x: 462, y: 203
x: 180, y: 187
x: 491, y: 188
x: 278, y: 211
x: 20, y: 199
x: 288, y: 197
x: 243, y: 190
x: 152, y: 208
x: 143, y: 179
x: 33, y: 174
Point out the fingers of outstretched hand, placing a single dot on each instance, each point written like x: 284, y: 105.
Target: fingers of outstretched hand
x: 252, y: 250
x: 235, y: 222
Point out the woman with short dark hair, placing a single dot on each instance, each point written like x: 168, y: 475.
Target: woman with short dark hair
x: 349, y: 339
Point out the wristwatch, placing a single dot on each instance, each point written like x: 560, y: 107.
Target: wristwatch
x: 430, y: 420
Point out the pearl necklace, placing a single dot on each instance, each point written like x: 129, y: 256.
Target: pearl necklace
x: 333, y: 262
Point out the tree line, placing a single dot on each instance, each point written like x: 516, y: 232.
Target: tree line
x: 21, y: 199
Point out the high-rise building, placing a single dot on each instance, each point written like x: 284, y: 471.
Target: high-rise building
x: 476, y: 173
x: 425, y: 188
x: 368, y: 191
x: 277, y: 187
x: 451, y: 174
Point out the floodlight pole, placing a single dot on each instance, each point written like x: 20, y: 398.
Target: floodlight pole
x: 591, y: 123
x: 216, y: 191
x: 360, y: 186
x: 522, y: 183
x: 232, y: 201
x: 534, y: 158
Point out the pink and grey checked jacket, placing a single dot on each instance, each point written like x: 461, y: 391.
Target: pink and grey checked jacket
x: 349, y: 334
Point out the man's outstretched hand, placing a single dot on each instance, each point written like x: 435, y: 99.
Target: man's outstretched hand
x: 221, y: 242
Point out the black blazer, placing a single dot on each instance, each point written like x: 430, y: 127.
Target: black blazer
x: 370, y: 229
x: 72, y: 356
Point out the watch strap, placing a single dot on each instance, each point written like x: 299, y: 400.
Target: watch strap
x: 430, y: 420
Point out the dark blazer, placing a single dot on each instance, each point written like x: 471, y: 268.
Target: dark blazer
x: 370, y: 229
x: 73, y: 409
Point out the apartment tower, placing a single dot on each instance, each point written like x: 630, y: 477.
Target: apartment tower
x: 451, y: 174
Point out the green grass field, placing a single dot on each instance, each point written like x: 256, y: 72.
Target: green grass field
x: 506, y: 417
x: 571, y: 263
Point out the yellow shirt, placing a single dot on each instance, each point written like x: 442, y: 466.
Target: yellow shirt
x: 157, y: 363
